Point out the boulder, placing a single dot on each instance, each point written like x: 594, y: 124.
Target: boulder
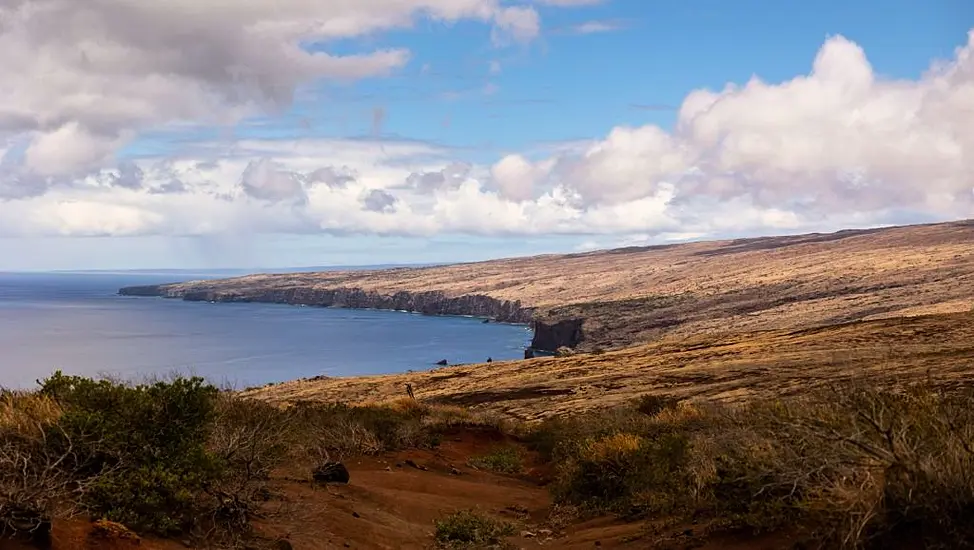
x: 442, y: 362
x: 331, y: 472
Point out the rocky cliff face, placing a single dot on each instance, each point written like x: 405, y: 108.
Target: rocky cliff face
x: 549, y: 336
x: 429, y: 303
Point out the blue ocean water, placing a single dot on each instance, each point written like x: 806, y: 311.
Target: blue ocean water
x: 77, y: 323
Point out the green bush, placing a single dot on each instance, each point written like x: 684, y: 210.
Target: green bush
x: 145, y: 443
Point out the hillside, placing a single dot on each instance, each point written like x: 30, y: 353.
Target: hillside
x: 722, y: 367
x: 635, y: 295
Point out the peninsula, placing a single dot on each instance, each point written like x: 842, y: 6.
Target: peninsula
x: 614, y: 299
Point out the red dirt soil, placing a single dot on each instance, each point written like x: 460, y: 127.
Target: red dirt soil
x: 392, y: 504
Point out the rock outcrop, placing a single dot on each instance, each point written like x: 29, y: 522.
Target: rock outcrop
x: 550, y: 336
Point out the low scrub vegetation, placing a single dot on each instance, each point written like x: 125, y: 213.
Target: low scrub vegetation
x: 848, y: 467
x: 178, y: 457
x: 471, y: 529
x: 851, y: 467
x: 506, y: 459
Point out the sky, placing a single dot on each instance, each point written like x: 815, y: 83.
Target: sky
x: 213, y: 134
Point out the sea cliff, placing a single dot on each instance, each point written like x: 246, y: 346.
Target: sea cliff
x: 547, y: 337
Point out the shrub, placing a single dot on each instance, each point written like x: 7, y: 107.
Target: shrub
x: 850, y: 467
x: 34, y: 487
x: 652, y: 405
x: 469, y: 529
x: 249, y: 439
x: 335, y: 431
x: 504, y: 460
x: 145, y: 443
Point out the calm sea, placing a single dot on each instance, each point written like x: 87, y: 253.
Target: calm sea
x: 77, y: 323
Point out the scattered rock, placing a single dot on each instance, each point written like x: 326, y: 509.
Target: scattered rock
x: 398, y: 464
x: 331, y: 472
x: 347, y: 545
x: 442, y: 362
x: 355, y: 514
x: 598, y: 543
x: 105, y: 530
x: 564, y: 351
x: 283, y: 544
x: 454, y: 471
x: 388, y: 468
x: 411, y: 463
x: 528, y: 534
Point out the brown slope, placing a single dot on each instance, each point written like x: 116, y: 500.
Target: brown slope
x: 634, y: 295
x: 730, y: 366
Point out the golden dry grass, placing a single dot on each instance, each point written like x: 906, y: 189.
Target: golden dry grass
x: 637, y: 295
x: 723, y: 367
x: 26, y: 412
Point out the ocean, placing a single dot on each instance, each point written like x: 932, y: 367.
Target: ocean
x: 77, y: 323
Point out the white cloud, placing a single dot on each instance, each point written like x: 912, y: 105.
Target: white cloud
x: 838, y: 140
x: 264, y: 179
x: 80, y: 78
x: 837, y: 147
x: 515, y: 177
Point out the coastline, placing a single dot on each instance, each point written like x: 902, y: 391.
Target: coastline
x: 613, y: 299
x: 432, y: 303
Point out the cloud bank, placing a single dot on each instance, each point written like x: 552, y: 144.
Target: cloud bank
x: 835, y: 147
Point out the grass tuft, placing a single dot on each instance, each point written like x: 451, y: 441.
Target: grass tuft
x: 503, y: 460
x: 471, y: 529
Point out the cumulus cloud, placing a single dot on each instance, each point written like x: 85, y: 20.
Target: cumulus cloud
x: 515, y: 177
x: 331, y: 176
x: 378, y: 200
x: 450, y: 176
x: 840, y: 139
x: 266, y: 180
x: 129, y: 175
x: 839, y: 146
x: 112, y: 68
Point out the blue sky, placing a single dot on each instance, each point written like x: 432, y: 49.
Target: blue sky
x: 462, y: 98
x: 570, y: 86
